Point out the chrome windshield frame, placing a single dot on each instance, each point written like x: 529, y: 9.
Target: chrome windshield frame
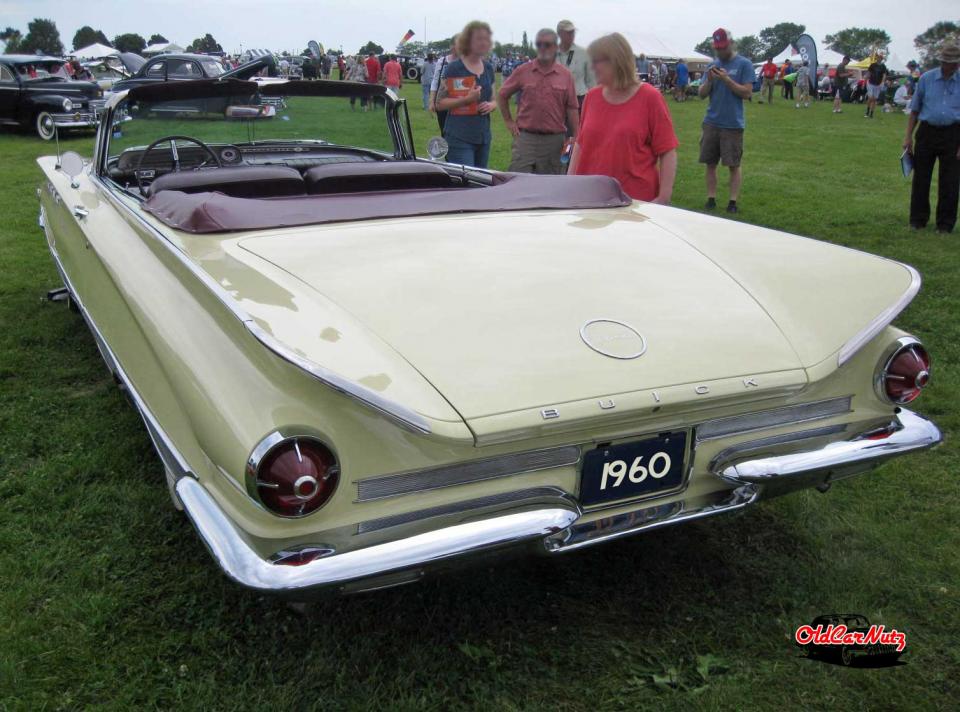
x: 400, y: 132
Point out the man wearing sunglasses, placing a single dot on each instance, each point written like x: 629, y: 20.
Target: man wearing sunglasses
x: 548, y: 106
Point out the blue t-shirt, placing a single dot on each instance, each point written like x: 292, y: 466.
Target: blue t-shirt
x: 470, y: 129
x: 726, y: 108
x: 683, y: 74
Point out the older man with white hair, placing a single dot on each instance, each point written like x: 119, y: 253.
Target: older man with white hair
x: 547, y: 108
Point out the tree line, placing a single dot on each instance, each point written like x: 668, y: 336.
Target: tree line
x: 43, y: 38
x: 857, y: 42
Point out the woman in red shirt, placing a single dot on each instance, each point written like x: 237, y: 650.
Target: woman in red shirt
x: 625, y: 127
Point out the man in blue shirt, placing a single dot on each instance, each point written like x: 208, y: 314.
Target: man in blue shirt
x: 683, y: 79
x: 936, y: 105
x: 727, y: 81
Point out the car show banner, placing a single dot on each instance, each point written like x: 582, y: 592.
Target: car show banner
x: 807, y: 49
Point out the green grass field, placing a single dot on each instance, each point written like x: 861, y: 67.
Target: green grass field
x: 108, y: 599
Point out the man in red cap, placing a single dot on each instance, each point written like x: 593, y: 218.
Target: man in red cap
x: 727, y: 81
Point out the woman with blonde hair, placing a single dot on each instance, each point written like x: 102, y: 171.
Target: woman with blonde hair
x: 625, y: 127
x: 466, y: 93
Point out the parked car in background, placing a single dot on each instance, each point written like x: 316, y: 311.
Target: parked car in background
x: 412, y: 66
x: 36, y: 93
x: 107, y: 71
x: 296, y: 67
x: 186, y: 67
x: 358, y: 365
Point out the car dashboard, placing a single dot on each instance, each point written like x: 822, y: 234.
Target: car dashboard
x: 159, y: 161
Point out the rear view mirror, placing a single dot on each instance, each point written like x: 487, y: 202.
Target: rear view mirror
x: 437, y: 148
x: 72, y: 165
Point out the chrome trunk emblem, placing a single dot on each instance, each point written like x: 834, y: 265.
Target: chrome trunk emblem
x: 613, y: 338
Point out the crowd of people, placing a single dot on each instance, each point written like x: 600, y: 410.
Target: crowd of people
x: 588, y: 111
x: 601, y: 110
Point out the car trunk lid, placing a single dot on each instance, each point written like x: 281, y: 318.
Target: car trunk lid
x: 490, y: 308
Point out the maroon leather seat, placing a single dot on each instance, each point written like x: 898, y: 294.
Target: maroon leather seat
x: 235, y: 181
x: 382, y: 175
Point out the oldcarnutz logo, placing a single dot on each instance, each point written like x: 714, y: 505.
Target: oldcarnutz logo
x: 840, y: 635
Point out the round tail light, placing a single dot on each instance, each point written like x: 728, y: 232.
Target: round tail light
x: 905, y: 373
x: 292, y: 477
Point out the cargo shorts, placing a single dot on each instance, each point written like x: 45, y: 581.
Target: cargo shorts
x: 719, y: 145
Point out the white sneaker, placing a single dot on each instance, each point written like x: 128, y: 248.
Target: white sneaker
x: 798, y: 105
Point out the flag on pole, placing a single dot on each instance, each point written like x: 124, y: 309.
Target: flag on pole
x: 407, y: 37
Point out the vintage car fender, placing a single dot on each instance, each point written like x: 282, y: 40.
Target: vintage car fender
x: 217, y: 368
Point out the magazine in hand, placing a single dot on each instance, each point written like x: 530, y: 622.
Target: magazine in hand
x: 906, y: 163
x: 458, y: 87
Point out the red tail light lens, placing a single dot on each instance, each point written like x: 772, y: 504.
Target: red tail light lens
x: 906, y: 372
x: 294, y: 477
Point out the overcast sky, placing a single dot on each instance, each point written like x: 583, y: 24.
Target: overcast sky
x: 290, y: 24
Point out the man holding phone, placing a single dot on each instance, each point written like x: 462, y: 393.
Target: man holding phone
x: 728, y: 81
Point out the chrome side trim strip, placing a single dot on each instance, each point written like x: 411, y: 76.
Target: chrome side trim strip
x: 397, y: 412
x: 171, y: 457
x: 516, y: 497
x: 882, y: 320
x: 243, y: 565
x: 789, y: 415
x: 373, y: 488
x: 641, y: 520
x: 915, y: 433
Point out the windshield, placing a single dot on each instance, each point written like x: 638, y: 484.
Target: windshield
x: 252, y: 120
x: 41, y: 70
x: 212, y: 68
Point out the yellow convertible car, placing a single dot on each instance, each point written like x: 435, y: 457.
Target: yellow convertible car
x: 358, y: 366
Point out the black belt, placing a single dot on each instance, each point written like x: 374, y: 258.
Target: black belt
x: 940, y: 128
x: 543, y: 133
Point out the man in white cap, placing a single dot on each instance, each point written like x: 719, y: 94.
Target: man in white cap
x: 575, y: 58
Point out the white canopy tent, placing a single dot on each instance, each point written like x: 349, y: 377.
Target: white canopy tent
x: 652, y: 46
x: 895, y: 64
x: 824, y: 56
x: 94, y: 51
x: 162, y: 47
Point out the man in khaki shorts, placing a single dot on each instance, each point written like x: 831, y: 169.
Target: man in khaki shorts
x: 548, y: 106
x: 727, y: 81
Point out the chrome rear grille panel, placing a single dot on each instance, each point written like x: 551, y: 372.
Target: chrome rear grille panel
x: 465, y: 473
x: 762, y: 420
x: 533, y: 493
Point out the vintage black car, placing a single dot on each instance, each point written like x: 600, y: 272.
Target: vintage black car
x: 36, y: 92
x: 180, y: 67
x: 412, y: 66
x: 846, y: 654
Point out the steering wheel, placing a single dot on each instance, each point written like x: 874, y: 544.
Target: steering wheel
x: 176, y: 156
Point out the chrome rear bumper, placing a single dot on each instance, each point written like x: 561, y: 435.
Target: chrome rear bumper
x: 555, y: 528
x: 246, y: 567
x: 909, y: 432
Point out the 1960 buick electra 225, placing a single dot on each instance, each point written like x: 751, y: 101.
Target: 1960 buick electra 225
x: 358, y: 365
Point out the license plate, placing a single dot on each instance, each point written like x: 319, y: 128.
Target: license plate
x: 639, y: 469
